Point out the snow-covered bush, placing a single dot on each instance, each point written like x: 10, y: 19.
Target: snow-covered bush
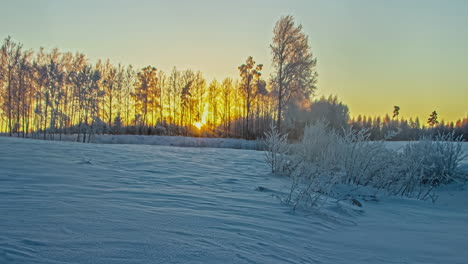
x: 276, y: 149
x: 311, y: 185
x: 427, y: 163
x: 364, y: 162
x: 329, y: 157
x: 325, y: 158
x: 320, y: 144
x: 316, y: 165
x: 438, y: 157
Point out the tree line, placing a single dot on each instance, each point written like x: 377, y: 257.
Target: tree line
x: 50, y: 93
x: 46, y: 94
x: 398, y: 129
x: 389, y: 127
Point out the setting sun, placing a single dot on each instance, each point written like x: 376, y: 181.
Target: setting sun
x: 205, y: 114
x: 198, y: 125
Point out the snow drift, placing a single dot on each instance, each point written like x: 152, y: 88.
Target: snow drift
x: 65, y: 202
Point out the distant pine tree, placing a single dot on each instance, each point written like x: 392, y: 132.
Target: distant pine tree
x: 432, y: 120
x: 396, y: 111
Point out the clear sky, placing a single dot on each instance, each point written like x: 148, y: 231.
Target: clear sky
x: 373, y: 54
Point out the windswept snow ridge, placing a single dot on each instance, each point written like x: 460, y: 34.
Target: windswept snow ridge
x: 65, y: 202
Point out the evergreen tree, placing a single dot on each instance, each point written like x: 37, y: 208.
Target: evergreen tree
x: 396, y: 111
x: 432, y: 120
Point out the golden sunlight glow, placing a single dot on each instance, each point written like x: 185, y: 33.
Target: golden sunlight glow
x: 203, y: 119
x: 198, y: 125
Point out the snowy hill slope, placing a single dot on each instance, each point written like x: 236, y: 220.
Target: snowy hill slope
x: 64, y: 202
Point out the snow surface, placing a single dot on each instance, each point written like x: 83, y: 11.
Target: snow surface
x: 65, y: 202
x: 177, y: 141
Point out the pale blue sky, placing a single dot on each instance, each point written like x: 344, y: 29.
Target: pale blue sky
x: 372, y: 53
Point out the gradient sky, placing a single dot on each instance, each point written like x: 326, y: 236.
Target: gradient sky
x: 373, y: 54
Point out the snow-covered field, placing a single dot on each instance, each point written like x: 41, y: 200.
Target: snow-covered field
x: 65, y: 202
x: 177, y: 141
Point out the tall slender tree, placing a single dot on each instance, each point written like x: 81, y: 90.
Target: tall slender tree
x: 146, y: 91
x: 226, y: 95
x: 294, y: 74
x: 251, y: 86
x: 10, y: 58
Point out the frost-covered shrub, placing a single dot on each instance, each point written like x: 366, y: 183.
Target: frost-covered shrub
x: 311, y: 185
x: 276, y: 150
x: 364, y: 162
x: 438, y: 158
x: 351, y: 152
x: 320, y: 144
x: 427, y: 163
x: 325, y: 158
x: 316, y: 165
